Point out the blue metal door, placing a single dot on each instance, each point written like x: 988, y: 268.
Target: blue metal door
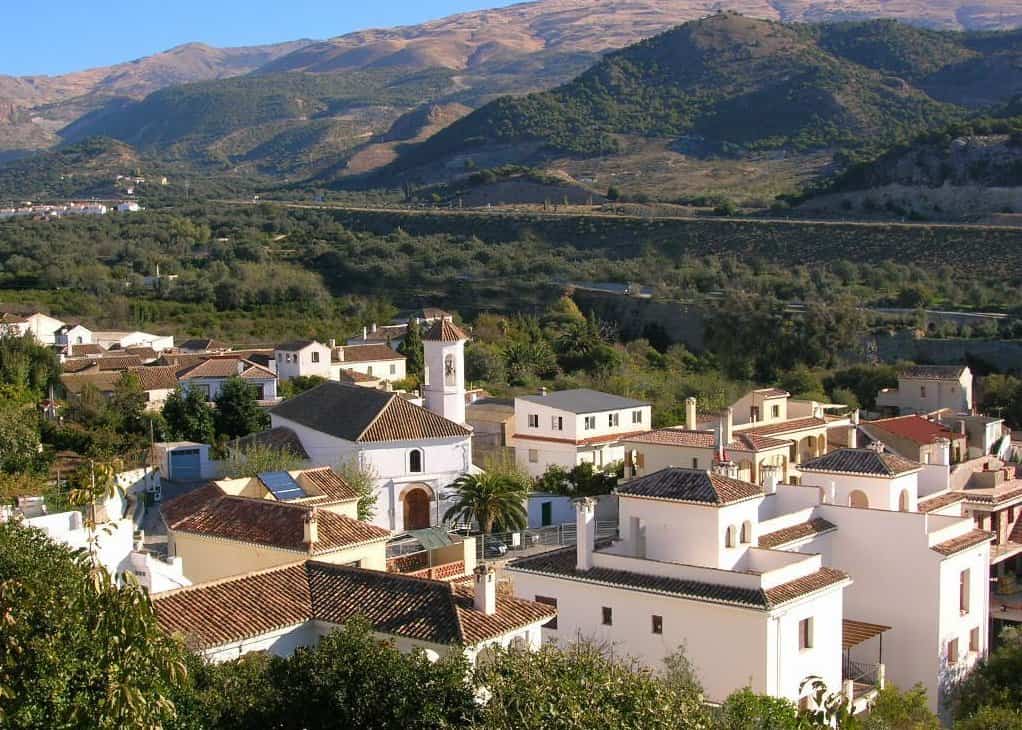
x: 185, y: 465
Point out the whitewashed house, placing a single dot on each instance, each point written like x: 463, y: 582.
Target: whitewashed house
x: 413, y: 453
x: 302, y: 358
x: 209, y: 376
x: 376, y: 361
x: 69, y: 335
x: 570, y: 427
x: 926, y: 389
x: 686, y: 572
x: 284, y: 608
x: 120, y: 340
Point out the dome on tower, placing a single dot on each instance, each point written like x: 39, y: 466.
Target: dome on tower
x: 445, y: 331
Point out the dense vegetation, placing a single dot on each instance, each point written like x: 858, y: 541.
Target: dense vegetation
x: 730, y: 83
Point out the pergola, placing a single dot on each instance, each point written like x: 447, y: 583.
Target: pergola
x: 854, y: 633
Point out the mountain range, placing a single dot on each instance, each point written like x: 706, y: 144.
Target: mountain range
x: 516, y: 49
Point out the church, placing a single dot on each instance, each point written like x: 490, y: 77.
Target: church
x: 415, y: 453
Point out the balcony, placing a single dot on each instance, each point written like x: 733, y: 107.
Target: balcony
x: 862, y: 680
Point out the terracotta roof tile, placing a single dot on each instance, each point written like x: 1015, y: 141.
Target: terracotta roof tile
x: 118, y: 362
x: 931, y: 504
x: 144, y: 353
x: 790, y: 426
x: 354, y: 376
x: 365, y: 415
x: 366, y: 353
x: 802, y: 530
x: 689, y: 485
x: 444, y: 330
x: 964, y: 542
x: 264, y: 522
x: 561, y: 563
x: 327, y: 481
x: 280, y: 438
x: 230, y: 610
x: 86, y: 349
x: 75, y: 383
x: 225, y: 367
x: 745, y: 442
x: 156, y: 377
x: 862, y: 461
x: 912, y: 428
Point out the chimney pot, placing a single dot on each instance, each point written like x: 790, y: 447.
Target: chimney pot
x: 365, y: 333
x: 542, y: 392
x: 585, y: 532
x: 374, y: 327
x: 729, y: 426
x: 691, y: 414
x: 333, y: 343
x: 770, y: 475
x: 485, y: 598
x: 311, y: 536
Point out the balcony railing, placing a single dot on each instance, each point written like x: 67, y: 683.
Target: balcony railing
x: 862, y: 674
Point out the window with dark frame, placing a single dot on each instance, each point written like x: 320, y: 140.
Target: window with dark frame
x: 974, y: 640
x: 952, y: 651
x: 533, y: 420
x: 963, y: 591
x: 658, y: 624
x: 315, y: 357
x: 608, y: 616
x: 805, y: 634
x: 547, y: 601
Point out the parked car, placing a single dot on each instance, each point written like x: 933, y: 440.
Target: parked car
x: 493, y: 547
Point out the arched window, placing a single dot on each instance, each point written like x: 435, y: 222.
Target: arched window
x: 746, y: 533
x: 730, y: 539
x: 858, y: 498
x: 903, y: 501
x: 450, y: 371
x: 415, y: 461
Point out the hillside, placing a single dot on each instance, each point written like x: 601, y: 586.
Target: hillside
x: 33, y: 109
x: 280, y: 123
x: 965, y: 172
x: 730, y: 83
x: 518, y: 49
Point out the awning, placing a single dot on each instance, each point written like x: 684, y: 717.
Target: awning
x: 854, y: 633
x: 432, y: 538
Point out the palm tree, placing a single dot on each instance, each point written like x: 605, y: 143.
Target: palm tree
x: 490, y: 499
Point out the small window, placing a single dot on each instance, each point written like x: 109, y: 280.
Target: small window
x: 636, y: 416
x: 963, y: 592
x: 729, y: 536
x: 393, y: 369
x: 547, y: 601
x: 974, y: 640
x: 613, y: 419
x: 754, y: 413
x: 533, y: 420
x: 922, y: 391
x: 805, y: 634
x: 369, y: 370
x: 590, y: 423
x: 952, y: 651
x: 695, y: 462
x: 415, y: 461
x: 533, y: 456
x: 658, y: 624
x: 557, y: 423
x: 746, y: 533
x: 775, y: 411
x: 608, y: 616
x: 315, y: 356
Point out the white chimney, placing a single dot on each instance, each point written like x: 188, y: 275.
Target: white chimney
x: 311, y: 536
x: 942, y: 451
x: 542, y: 392
x: 729, y: 426
x: 339, y: 352
x: 374, y: 327
x: 333, y: 343
x: 691, y: 414
x: 485, y: 600
x: 585, y: 532
x: 770, y: 476
x: 365, y: 333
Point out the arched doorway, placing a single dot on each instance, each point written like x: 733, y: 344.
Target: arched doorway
x: 416, y: 509
x: 858, y: 498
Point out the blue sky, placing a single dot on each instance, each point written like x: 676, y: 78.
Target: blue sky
x: 60, y: 36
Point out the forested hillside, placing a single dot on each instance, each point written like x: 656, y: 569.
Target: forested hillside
x: 731, y: 83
